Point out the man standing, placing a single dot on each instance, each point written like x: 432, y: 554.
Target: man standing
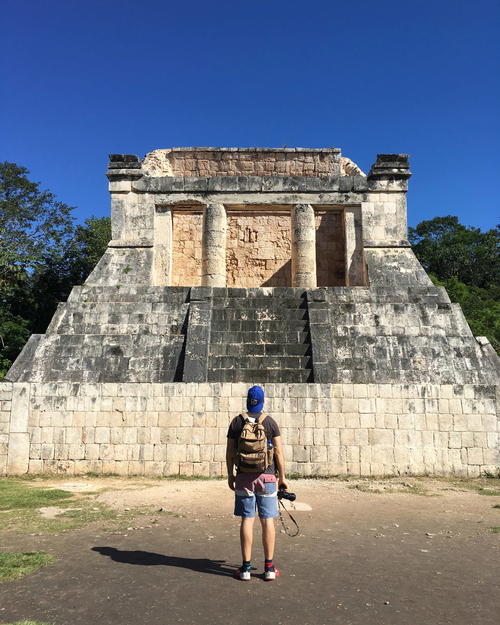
x: 254, y: 447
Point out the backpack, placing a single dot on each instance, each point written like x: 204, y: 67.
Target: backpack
x: 252, y: 453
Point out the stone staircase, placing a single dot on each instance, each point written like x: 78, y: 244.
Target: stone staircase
x: 110, y: 334
x: 260, y: 335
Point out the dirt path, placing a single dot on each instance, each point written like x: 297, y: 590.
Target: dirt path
x: 382, y: 558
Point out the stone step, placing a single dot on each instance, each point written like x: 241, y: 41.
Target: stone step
x: 129, y: 375
x: 255, y: 376
x: 260, y: 349
x: 260, y: 337
x: 258, y: 292
x: 278, y: 314
x: 121, y: 329
x: 253, y: 303
x: 125, y: 308
x: 260, y: 326
x: 124, y: 293
x: 260, y: 362
x: 139, y: 341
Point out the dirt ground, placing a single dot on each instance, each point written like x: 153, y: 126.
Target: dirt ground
x: 389, y: 552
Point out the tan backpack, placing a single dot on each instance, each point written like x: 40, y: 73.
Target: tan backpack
x: 252, y: 453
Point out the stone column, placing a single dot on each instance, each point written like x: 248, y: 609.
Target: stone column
x: 354, y: 258
x: 213, y: 263
x: 303, y: 246
x: 163, y: 246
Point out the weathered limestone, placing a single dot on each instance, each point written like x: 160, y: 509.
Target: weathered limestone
x: 163, y: 247
x: 327, y: 429
x: 374, y: 372
x: 212, y: 162
x: 303, y: 247
x: 214, y: 246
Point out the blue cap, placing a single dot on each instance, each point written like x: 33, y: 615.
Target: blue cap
x: 255, y: 399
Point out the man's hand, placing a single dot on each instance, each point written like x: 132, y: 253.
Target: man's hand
x: 282, y: 484
x: 230, y: 481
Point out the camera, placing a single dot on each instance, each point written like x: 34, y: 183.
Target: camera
x: 284, y: 494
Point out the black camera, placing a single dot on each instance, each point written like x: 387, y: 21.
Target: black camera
x: 284, y: 494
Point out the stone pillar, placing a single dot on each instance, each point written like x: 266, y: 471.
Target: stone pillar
x: 303, y: 246
x: 355, y: 273
x: 163, y: 246
x: 213, y: 263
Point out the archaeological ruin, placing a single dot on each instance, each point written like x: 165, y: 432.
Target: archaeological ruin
x: 228, y: 267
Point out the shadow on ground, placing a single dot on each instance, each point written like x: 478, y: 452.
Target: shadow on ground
x: 148, y: 558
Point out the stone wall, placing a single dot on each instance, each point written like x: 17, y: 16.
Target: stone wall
x: 186, y: 236
x: 5, y: 414
x: 258, y: 249
x: 328, y: 429
x: 330, y: 248
x: 243, y: 162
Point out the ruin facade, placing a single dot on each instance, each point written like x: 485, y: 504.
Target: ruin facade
x: 227, y: 267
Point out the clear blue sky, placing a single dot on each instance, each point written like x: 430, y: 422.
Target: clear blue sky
x: 81, y: 79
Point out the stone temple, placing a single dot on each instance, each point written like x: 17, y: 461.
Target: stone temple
x: 233, y: 266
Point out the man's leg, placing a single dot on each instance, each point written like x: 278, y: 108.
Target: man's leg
x: 246, y: 537
x: 268, y: 537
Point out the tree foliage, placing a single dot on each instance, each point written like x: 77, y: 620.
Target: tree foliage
x: 32, y: 222
x: 448, y: 249
x: 466, y: 262
x: 42, y: 255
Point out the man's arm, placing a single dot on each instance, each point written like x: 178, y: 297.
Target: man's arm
x: 230, y: 451
x: 279, y: 459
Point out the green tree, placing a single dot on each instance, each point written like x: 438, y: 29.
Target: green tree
x: 32, y: 222
x: 448, y: 249
x: 466, y: 262
x: 32, y: 225
x: 53, y: 281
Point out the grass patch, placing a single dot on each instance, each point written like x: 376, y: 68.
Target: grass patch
x: 15, y: 565
x: 489, y: 492
x: 492, y: 475
x: 482, y: 486
x: 16, y: 495
x: 497, y: 505
x: 20, y: 503
x: 495, y: 529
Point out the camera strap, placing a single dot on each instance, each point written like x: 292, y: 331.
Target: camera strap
x: 286, y: 528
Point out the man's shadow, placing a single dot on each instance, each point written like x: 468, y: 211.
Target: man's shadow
x: 147, y: 558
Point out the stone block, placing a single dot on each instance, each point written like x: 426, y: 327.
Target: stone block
x: 102, y: 435
x: 176, y: 453
x: 319, y: 453
x: 206, y: 453
x: 211, y: 436
x: 301, y: 453
x: 491, y: 457
x: 306, y: 436
x: 382, y: 455
x: 20, y: 407
x: 201, y: 469
x: 350, y: 405
x: 160, y: 453
x: 381, y: 437
x: 475, y: 456
x: 186, y: 468
x: 18, y: 453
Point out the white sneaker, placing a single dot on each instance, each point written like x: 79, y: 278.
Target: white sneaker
x: 242, y: 574
x: 271, y: 574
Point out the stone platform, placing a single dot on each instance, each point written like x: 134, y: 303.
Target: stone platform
x: 229, y: 267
